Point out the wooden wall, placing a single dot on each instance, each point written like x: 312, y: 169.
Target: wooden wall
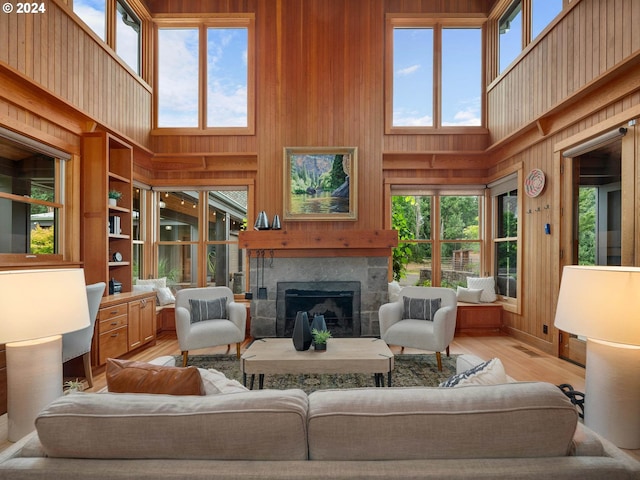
x: 320, y: 82
x: 69, y: 62
x: 580, y: 79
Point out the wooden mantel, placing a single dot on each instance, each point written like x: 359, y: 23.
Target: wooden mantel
x: 321, y: 243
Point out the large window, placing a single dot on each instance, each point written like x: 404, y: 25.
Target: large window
x: 520, y: 23
x: 189, y: 258
x: 439, y: 238
x: 214, y: 90
x: 31, y: 202
x: 505, y: 210
x: 121, y: 30
x: 434, y: 75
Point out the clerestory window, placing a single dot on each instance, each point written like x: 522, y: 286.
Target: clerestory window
x: 434, y: 75
x: 205, y: 80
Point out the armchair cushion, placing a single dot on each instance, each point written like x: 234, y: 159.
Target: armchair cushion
x: 490, y: 372
x: 421, y: 308
x: 128, y: 376
x: 201, y: 310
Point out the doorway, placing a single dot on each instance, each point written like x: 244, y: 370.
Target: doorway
x: 597, y: 221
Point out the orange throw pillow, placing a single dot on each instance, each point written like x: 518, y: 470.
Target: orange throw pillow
x: 128, y: 376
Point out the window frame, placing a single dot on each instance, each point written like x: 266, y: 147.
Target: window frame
x: 437, y: 23
x: 202, y: 242
x: 436, y: 241
x: 110, y: 34
x: 508, y: 183
x: 203, y: 24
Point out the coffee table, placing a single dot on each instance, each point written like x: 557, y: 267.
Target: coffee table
x: 343, y: 355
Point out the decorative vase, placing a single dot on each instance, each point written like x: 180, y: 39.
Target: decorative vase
x: 301, y: 332
x: 320, y: 347
x: 113, y: 202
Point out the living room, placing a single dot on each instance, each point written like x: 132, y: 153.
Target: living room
x: 319, y: 76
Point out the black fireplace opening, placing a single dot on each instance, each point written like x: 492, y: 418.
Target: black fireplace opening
x: 339, y: 302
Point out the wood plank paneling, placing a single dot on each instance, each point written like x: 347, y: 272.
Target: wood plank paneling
x: 58, y: 54
x: 591, y: 39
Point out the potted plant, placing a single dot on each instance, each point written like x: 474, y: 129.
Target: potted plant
x: 320, y: 338
x: 114, y: 196
x: 73, y: 386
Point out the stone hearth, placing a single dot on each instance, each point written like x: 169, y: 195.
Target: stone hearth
x: 370, y: 272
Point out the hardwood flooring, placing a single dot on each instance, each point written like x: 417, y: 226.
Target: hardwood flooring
x: 521, y: 361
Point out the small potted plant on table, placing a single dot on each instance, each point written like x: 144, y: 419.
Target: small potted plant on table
x: 320, y: 338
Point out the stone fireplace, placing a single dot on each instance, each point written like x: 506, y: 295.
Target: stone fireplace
x: 341, y: 274
x: 338, y: 302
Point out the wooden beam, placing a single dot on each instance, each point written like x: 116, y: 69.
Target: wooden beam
x: 322, y: 239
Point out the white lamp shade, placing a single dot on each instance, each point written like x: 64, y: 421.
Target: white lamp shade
x: 41, y: 303
x: 600, y: 303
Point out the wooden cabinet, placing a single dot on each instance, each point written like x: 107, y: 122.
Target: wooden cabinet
x: 111, y: 327
x: 107, y: 229
x: 479, y: 317
x: 142, y: 322
x: 125, y: 321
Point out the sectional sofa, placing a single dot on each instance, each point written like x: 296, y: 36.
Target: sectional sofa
x: 515, y: 430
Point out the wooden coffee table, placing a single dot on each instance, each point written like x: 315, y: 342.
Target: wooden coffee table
x: 343, y: 355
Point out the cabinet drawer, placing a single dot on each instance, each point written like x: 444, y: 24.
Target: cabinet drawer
x: 110, y: 312
x: 113, y: 344
x: 112, y: 323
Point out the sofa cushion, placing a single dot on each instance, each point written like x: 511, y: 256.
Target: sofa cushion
x: 501, y: 421
x: 216, y: 382
x: 420, y: 308
x: 490, y: 372
x: 256, y: 425
x: 129, y: 376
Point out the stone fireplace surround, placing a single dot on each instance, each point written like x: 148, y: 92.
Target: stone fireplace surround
x: 370, y: 272
x: 318, y: 255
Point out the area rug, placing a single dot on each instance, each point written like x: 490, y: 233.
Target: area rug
x: 410, y: 370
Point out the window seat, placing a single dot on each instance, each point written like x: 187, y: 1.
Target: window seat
x: 479, y: 317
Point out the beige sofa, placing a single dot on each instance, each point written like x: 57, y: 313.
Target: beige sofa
x: 513, y: 430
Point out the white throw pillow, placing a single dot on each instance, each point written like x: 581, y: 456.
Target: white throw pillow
x: 154, y: 282
x: 142, y: 288
x: 490, y: 372
x: 488, y: 286
x: 165, y: 296
x: 216, y: 382
x: 394, y: 291
x: 469, y: 295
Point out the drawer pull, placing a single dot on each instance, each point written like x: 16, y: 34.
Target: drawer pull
x: 114, y: 323
x: 113, y: 312
x: 114, y: 335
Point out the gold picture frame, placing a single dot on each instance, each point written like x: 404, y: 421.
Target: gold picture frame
x: 320, y: 183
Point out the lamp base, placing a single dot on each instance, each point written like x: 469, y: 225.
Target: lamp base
x: 34, y: 379
x: 612, y: 392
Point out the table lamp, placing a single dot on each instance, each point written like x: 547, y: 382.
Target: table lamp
x: 36, y: 307
x: 602, y: 303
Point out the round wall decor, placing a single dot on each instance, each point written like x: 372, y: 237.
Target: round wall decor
x: 534, y: 183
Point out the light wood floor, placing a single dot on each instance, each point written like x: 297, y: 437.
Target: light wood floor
x: 521, y: 361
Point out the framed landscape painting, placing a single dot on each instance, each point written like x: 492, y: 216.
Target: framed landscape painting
x: 320, y: 183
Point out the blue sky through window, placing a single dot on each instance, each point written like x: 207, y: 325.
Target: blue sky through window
x: 227, y: 77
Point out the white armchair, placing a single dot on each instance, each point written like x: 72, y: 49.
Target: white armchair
x: 208, y: 332
x: 75, y: 344
x: 433, y: 335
